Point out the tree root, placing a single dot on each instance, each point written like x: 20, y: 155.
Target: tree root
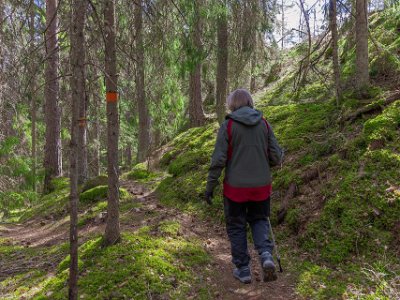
x: 371, y: 108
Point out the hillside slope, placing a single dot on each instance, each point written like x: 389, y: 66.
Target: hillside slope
x: 337, y: 196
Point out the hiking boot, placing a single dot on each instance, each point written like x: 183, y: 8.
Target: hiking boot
x: 242, y: 274
x: 268, y: 266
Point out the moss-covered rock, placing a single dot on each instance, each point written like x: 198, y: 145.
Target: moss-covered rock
x: 99, y: 193
x: 93, y: 182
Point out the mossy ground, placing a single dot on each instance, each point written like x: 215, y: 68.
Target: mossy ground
x: 151, y: 261
x: 146, y: 263
x: 345, y: 225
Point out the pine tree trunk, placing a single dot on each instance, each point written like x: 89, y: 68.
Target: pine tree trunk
x: 77, y: 97
x: 222, y: 65
x: 283, y: 23
x: 112, y: 232
x: 306, y: 64
x: 52, y: 149
x: 362, y: 70
x: 82, y: 148
x: 253, y: 65
x: 128, y: 156
x: 32, y: 95
x: 335, y: 55
x: 196, y: 114
x: 96, y: 132
x: 144, y: 121
x: 1, y: 70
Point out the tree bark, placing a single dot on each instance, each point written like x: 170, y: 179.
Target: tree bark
x: 253, y: 65
x: 362, y: 69
x: 306, y: 65
x: 82, y: 144
x: 283, y: 24
x: 52, y: 149
x: 144, y: 120
x: 78, y: 96
x: 32, y: 88
x: 112, y: 232
x: 196, y: 114
x: 1, y: 69
x: 222, y: 65
x: 96, y: 131
x: 335, y: 54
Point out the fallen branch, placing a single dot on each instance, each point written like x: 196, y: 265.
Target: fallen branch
x: 307, y: 176
x: 378, y: 106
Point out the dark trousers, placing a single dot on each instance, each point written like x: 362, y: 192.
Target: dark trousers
x: 237, y: 215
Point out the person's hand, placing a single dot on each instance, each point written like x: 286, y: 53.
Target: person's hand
x: 208, y: 197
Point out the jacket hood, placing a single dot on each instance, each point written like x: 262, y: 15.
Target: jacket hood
x: 246, y: 115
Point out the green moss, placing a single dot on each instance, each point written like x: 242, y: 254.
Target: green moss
x: 161, y: 267
x: 169, y: 228
x: 99, y: 193
x: 319, y: 283
x: 140, y: 175
x: 293, y: 219
x: 296, y: 124
x: 93, y: 182
x: 188, y: 161
x: 314, y: 91
x: 384, y: 126
x: 60, y: 183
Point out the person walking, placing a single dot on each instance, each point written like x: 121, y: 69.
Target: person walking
x: 247, y: 148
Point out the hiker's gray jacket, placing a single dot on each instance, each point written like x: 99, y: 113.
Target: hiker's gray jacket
x: 246, y: 146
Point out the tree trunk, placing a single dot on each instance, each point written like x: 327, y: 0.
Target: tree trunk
x: 362, y: 70
x: 52, y: 149
x: 283, y: 24
x: 253, y: 65
x: 128, y: 156
x: 196, y: 114
x: 306, y: 65
x: 82, y: 155
x: 77, y: 97
x: 112, y: 232
x: 32, y: 95
x: 222, y: 65
x: 96, y: 131
x: 82, y: 144
x: 335, y: 55
x: 1, y: 69
x: 144, y: 121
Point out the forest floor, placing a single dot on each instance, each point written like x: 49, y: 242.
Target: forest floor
x: 40, y: 234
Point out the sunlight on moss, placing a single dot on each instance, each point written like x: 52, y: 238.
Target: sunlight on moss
x: 141, y: 265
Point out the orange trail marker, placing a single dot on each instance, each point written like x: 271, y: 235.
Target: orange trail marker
x: 82, y: 122
x: 112, y: 97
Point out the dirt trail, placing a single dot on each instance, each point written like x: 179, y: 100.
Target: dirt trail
x: 44, y: 233
x: 216, y: 243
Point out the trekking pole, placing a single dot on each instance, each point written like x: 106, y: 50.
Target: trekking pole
x: 278, y: 257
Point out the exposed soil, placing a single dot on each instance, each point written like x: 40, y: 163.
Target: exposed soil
x: 41, y: 234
